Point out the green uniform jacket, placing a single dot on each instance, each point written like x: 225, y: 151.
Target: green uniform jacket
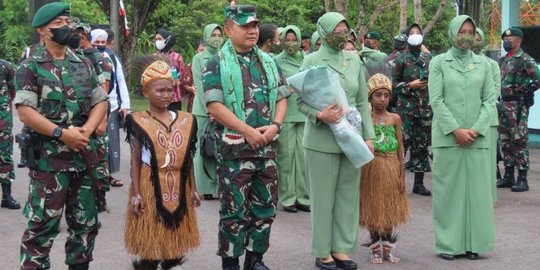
x: 289, y: 66
x: 469, y: 104
x: 496, y: 72
x: 197, y: 66
x: 318, y: 135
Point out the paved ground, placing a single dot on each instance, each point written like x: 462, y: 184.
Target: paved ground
x: 517, y: 233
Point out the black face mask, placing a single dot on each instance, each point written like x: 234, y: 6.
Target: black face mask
x: 507, y: 46
x: 61, y: 35
x: 74, y: 41
x: 101, y: 48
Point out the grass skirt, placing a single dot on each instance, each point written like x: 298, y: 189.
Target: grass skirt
x: 382, y: 206
x: 146, y: 237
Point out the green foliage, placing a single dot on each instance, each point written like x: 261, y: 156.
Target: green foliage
x: 14, y: 29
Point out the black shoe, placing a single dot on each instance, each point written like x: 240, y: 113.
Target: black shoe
x: 21, y: 164
x: 235, y: 267
x: 303, y: 208
x: 254, y: 261
x: 471, y: 255
x: 144, y: 264
x: 8, y: 201
x: 508, y: 180
x: 82, y: 266
x: 520, y: 186
x: 325, y: 265
x: 420, y: 189
x: 290, y: 208
x: 345, y: 264
x: 447, y: 257
x: 168, y: 264
x: 208, y: 197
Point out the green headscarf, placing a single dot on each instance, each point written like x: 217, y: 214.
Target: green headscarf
x: 207, y: 34
x: 298, y: 34
x: 455, y: 25
x: 314, y: 38
x: 328, y: 22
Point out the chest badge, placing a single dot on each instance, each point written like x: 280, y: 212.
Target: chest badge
x: 470, y: 66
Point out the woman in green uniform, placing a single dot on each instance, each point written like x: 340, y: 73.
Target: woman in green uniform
x: 333, y: 180
x: 315, y: 42
x: 205, y: 168
x: 293, y: 187
x: 462, y: 96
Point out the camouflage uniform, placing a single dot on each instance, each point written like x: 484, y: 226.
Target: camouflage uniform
x: 63, y: 91
x: 7, y: 174
x: 247, y: 178
x: 413, y: 107
x: 513, y: 110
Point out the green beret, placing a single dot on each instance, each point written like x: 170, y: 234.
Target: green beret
x: 242, y: 14
x: 512, y: 32
x: 373, y: 35
x: 49, y: 12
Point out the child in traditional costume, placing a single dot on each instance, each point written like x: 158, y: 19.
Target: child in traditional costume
x: 383, y: 201
x: 161, y: 225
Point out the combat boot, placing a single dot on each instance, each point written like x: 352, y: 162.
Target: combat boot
x: 8, y: 201
x: 254, y: 261
x: 521, y: 185
x: 419, y: 187
x: 508, y: 180
x: 230, y: 263
x: 81, y: 266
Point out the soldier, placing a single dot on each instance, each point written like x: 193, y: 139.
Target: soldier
x: 205, y: 167
x: 7, y: 175
x: 493, y: 132
x: 410, y: 84
x: 59, y: 98
x: 245, y: 94
x: 372, y: 40
x: 520, y: 78
x: 293, y: 186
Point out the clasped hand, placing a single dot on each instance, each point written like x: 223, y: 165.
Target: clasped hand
x: 76, y: 138
x: 465, y: 137
x: 261, y: 136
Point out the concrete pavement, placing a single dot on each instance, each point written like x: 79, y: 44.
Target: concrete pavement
x: 517, y: 232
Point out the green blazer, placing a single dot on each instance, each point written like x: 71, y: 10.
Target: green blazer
x: 317, y: 135
x: 461, y: 96
x: 289, y: 66
x: 496, y: 72
x: 197, y: 66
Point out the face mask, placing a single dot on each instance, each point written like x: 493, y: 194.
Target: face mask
x: 275, y: 48
x: 160, y: 44
x: 415, y: 40
x: 367, y: 44
x: 61, y: 35
x: 291, y: 47
x: 215, y: 42
x: 336, y: 42
x: 464, y: 42
x: 477, y: 47
x: 507, y: 46
x: 101, y: 48
x: 74, y: 41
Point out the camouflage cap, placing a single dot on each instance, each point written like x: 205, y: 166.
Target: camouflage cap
x: 400, y: 37
x: 373, y: 35
x: 84, y: 26
x: 512, y: 32
x: 242, y: 14
x: 49, y: 12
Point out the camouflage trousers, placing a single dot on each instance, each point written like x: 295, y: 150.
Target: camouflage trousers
x: 49, y: 192
x: 514, y: 134
x: 102, y: 168
x: 7, y: 173
x: 417, y: 139
x: 248, y: 196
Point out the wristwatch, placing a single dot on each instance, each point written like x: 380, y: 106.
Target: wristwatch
x: 57, y: 132
x: 278, y: 125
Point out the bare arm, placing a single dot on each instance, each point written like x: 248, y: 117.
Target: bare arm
x: 137, y: 204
